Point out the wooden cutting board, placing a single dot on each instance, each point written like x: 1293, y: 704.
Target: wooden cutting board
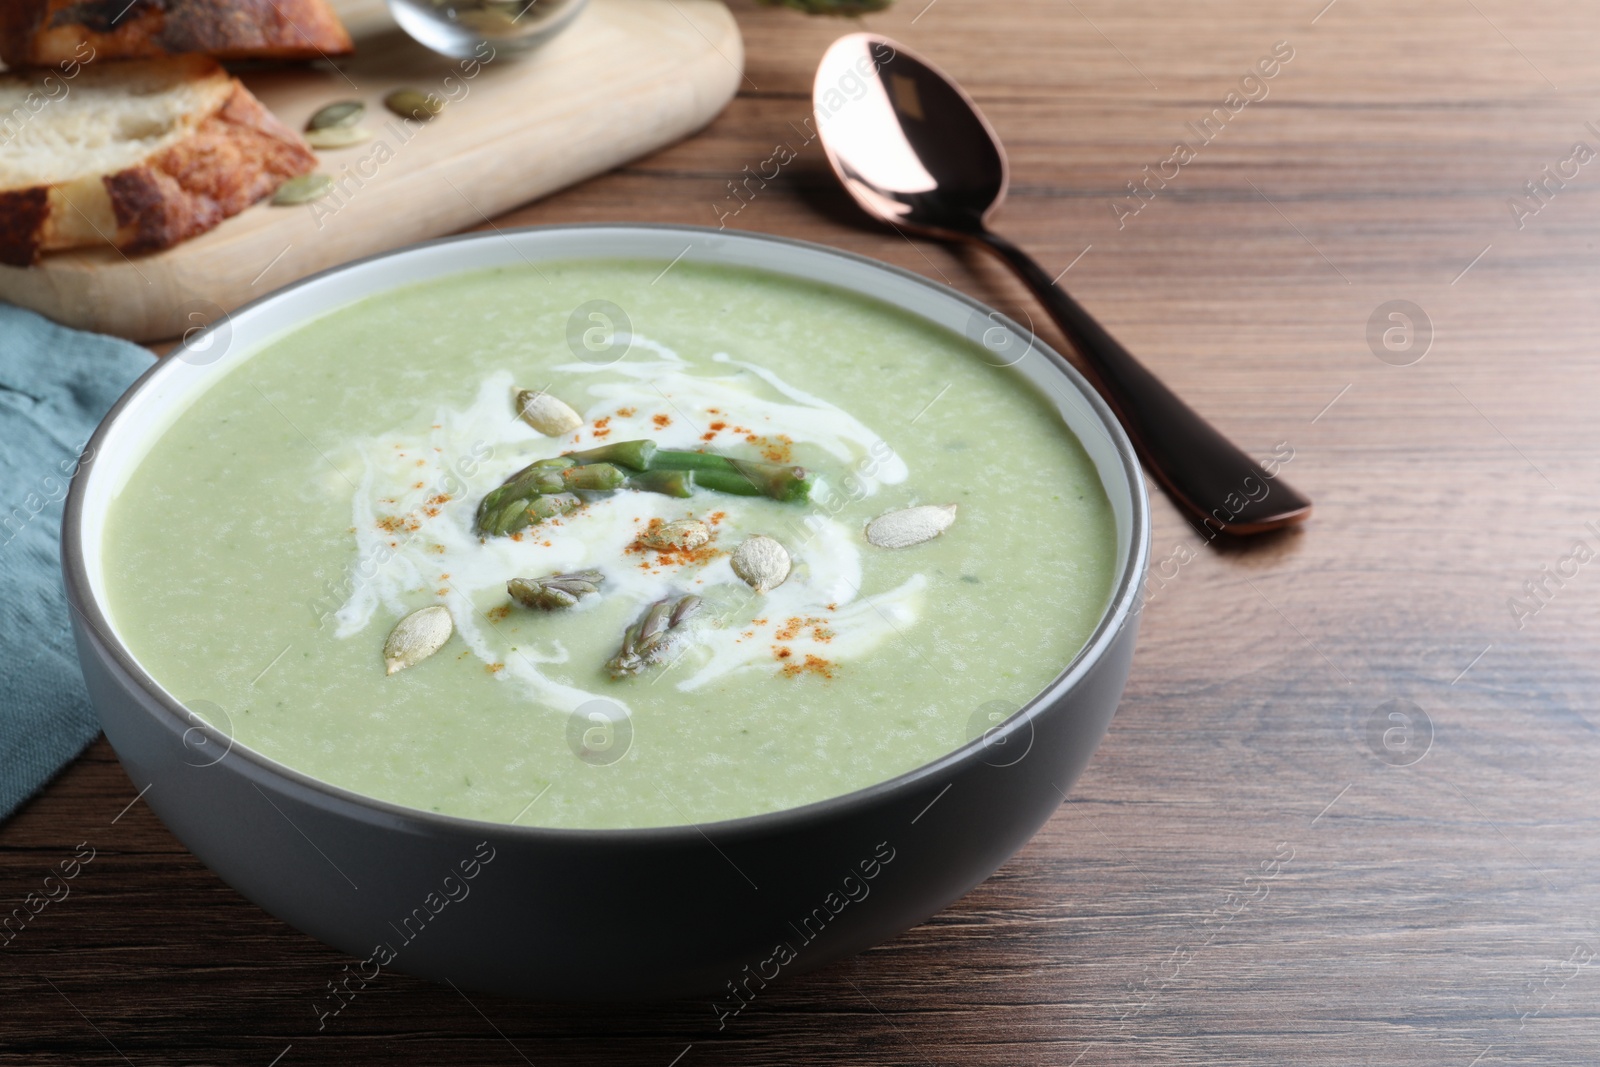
x: 627, y: 77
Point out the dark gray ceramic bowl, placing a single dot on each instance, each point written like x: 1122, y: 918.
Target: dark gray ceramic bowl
x: 715, y: 910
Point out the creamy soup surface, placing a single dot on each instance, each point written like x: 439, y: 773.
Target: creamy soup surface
x: 326, y: 487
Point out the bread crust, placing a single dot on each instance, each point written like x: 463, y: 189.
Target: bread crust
x: 53, y: 32
x: 23, y: 214
x: 234, y: 157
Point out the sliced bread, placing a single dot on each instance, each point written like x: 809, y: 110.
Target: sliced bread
x: 138, y: 154
x: 52, y: 32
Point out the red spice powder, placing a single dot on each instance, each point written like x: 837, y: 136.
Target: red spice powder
x: 670, y: 557
x: 496, y: 614
x: 811, y: 665
x: 495, y: 668
x: 602, y: 427
x: 626, y: 413
x: 778, y: 448
x: 661, y: 421
x: 396, y: 523
x: 793, y: 627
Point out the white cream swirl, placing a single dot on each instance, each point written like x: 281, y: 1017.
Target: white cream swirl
x: 412, y: 540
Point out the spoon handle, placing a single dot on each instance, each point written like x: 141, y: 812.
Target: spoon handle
x: 1206, y: 475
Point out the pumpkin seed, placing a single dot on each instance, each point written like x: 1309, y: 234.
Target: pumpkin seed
x: 761, y: 563
x: 549, y: 415
x: 554, y: 591
x: 416, y: 637
x: 685, y: 535
x: 338, y: 136
x: 413, y: 104
x: 344, y: 113
x: 303, y: 190
x: 910, y: 526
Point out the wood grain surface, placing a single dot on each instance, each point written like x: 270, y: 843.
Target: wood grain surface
x: 626, y: 78
x: 1426, y: 896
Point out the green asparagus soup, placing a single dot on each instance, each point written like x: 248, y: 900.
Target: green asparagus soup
x: 594, y: 545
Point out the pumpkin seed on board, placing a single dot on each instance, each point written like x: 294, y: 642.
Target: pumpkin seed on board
x: 338, y: 137
x: 344, y: 113
x: 413, y: 104
x: 303, y: 190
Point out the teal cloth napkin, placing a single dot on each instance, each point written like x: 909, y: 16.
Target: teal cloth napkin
x: 55, y: 386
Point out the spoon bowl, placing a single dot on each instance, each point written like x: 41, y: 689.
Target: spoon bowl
x: 942, y: 180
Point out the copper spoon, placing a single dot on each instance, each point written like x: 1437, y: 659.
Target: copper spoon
x: 914, y: 151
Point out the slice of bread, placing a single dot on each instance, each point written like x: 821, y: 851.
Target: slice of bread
x: 52, y: 32
x: 139, y: 154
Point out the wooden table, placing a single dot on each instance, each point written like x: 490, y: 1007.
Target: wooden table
x: 1422, y: 895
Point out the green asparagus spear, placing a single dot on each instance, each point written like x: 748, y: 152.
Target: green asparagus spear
x: 554, y: 591
x: 594, y: 476
x: 635, y: 455
x: 649, y: 639
x: 731, y: 482
x: 637, y: 465
x: 668, y: 483
x: 521, y: 487
x: 552, y: 504
x: 520, y: 514
x: 780, y: 481
x: 762, y: 479
x: 509, y: 519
